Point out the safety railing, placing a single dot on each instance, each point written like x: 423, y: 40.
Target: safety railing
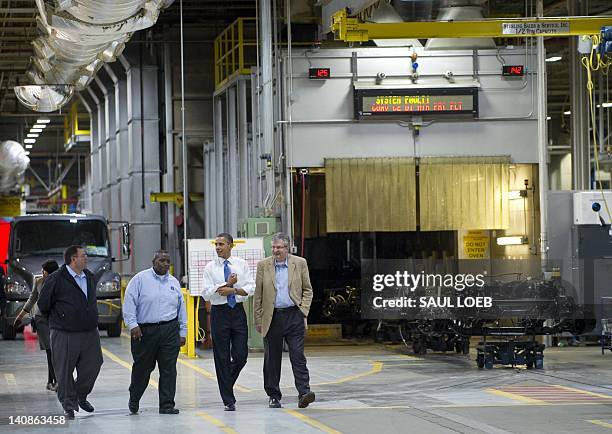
x: 72, y: 133
x: 233, y: 53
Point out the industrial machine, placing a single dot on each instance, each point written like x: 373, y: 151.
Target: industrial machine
x: 36, y: 238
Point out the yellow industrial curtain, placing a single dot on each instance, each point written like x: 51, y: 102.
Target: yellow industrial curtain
x: 370, y: 194
x: 464, y: 193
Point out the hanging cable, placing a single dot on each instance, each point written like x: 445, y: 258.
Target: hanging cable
x: 595, y: 62
x: 303, y: 213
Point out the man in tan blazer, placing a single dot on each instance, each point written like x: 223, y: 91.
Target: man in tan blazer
x: 283, y: 294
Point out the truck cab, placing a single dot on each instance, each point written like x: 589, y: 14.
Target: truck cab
x: 35, y: 238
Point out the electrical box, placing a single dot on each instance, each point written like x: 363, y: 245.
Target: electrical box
x: 585, y: 205
x: 260, y: 227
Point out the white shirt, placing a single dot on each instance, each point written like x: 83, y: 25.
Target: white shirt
x: 214, y: 278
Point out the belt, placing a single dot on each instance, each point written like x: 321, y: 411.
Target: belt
x: 285, y: 308
x: 157, y: 323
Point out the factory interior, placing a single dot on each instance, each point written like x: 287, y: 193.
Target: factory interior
x: 461, y: 141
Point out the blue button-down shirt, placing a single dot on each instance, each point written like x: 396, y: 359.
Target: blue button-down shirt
x: 151, y: 298
x: 282, y: 285
x: 80, y: 279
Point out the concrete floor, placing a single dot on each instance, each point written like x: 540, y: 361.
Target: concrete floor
x: 360, y: 389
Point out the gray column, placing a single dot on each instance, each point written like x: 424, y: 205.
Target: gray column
x: 218, y: 187
x: 96, y: 176
x: 266, y: 97
x: 168, y: 178
x: 143, y: 158
x: 244, y: 158
x: 579, y: 116
x: 232, y: 203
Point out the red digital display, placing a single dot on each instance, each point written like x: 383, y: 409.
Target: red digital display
x: 513, y: 70
x: 319, y: 73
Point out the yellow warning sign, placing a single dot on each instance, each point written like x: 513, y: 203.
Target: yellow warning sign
x: 475, y: 245
x: 10, y: 206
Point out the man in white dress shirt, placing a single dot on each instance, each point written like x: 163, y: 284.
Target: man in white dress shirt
x: 227, y: 283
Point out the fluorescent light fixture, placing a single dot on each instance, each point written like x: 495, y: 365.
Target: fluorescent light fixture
x: 39, y: 126
x: 517, y: 194
x: 554, y: 59
x: 27, y: 152
x: 567, y: 112
x: 606, y: 104
x: 29, y: 141
x: 36, y: 130
x: 33, y: 135
x: 548, y: 118
x: 43, y: 121
x: 511, y: 241
x: 29, y: 146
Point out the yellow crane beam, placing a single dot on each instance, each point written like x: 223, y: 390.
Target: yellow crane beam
x: 350, y: 29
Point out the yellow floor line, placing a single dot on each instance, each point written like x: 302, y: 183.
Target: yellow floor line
x: 125, y: 364
x: 583, y: 391
x: 207, y: 417
x: 388, y: 407
x: 10, y: 379
x: 199, y: 370
x: 600, y: 423
x: 210, y: 375
x: 543, y: 404
x: 203, y: 415
x: 376, y: 368
x: 515, y: 397
x: 312, y: 422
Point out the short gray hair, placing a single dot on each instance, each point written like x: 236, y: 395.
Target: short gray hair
x: 160, y: 252
x: 280, y: 236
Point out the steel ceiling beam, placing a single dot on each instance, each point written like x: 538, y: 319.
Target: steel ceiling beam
x: 350, y: 29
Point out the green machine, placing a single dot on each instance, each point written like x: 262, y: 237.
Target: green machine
x: 257, y: 227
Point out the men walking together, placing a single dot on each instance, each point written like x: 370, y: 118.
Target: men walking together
x: 154, y: 312
x: 68, y: 299
x: 227, y: 284
x: 283, y: 294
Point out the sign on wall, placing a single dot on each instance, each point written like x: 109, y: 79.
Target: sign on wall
x: 201, y: 251
x: 474, y: 245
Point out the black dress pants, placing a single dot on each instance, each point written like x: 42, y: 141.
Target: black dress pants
x: 288, y: 324
x: 230, y: 346
x: 80, y: 350
x: 161, y: 344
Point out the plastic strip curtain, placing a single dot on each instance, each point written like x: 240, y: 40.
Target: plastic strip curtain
x: 370, y: 194
x: 464, y: 193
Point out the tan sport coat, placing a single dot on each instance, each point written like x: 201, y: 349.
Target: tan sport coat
x: 300, y: 289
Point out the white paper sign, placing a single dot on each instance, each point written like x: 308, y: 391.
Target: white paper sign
x: 201, y: 251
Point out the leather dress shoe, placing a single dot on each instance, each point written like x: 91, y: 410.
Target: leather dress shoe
x: 274, y: 403
x: 230, y: 407
x: 85, y: 405
x: 52, y: 387
x: 69, y: 414
x: 133, y: 406
x: 306, y: 399
x: 171, y: 410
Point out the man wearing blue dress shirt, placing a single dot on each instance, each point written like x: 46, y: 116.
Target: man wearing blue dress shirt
x: 227, y: 282
x: 154, y: 312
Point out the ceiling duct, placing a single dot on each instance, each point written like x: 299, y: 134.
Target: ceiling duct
x: 387, y: 13
x: 77, y: 38
x: 460, y: 10
x: 413, y: 10
x: 13, y: 164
